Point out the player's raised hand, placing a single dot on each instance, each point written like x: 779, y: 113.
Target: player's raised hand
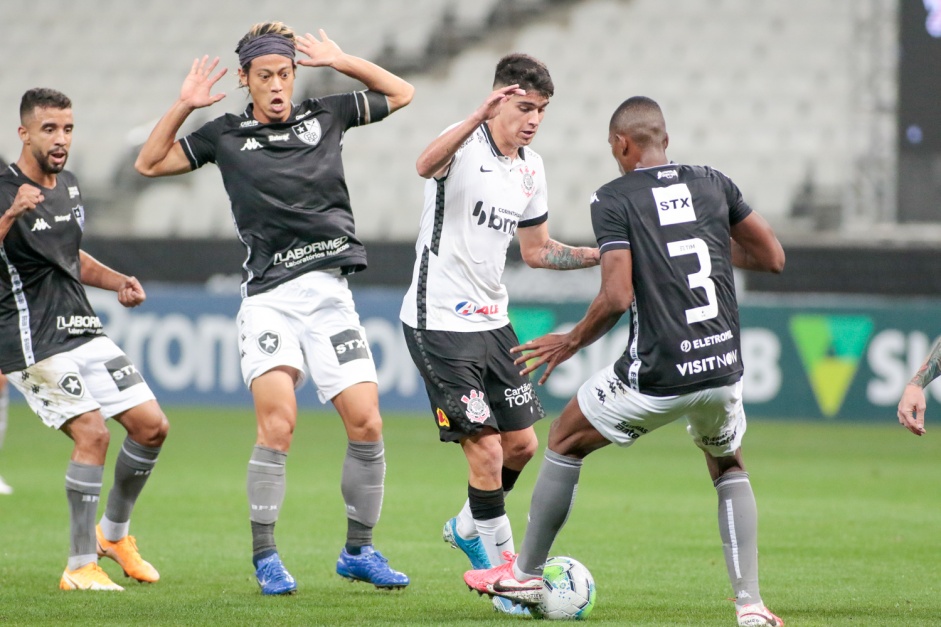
x: 199, y: 82
x: 550, y: 349
x: 911, y: 410
x: 131, y: 293
x: 321, y: 52
x: 27, y: 198
x: 491, y: 106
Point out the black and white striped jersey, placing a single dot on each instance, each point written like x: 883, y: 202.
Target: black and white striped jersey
x: 43, y: 307
x: 286, y: 184
x: 676, y: 221
x: 469, y: 218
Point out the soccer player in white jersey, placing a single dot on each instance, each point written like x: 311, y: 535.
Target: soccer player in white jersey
x: 281, y: 165
x: 669, y: 237
x: 54, y: 351
x: 484, y: 185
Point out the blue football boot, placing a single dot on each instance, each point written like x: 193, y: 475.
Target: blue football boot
x: 370, y: 566
x: 273, y: 577
x: 473, y: 549
x: 506, y: 606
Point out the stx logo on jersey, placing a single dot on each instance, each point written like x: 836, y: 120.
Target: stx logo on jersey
x: 442, y: 417
x: 40, y: 225
x: 269, y: 342
x: 72, y: 385
x: 674, y: 204
x: 494, y: 221
x: 251, y: 144
x: 123, y: 372
x: 79, y: 325
x: 477, y: 409
x: 350, y: 345
x: 308, y: 131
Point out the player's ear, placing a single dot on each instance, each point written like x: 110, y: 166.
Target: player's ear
x: 24, y: 134
x: 666, y: 140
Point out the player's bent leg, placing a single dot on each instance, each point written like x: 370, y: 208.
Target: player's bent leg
x: 505, y: 581
x: 362, y: 486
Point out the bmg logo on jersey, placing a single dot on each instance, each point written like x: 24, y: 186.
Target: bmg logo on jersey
x: 123, y: 372
x: 494, y: 221
x: 674, y: 204
x: 350, y: 345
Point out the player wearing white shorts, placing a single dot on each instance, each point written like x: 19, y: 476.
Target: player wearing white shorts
x: 669, y: 236
x: 485, y: 185
x: 281, y: 166
x: 53, y: 350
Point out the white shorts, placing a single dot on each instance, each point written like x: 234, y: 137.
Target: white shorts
x: 96, y: 375
x: 715, y: 416
x: 310, y: 324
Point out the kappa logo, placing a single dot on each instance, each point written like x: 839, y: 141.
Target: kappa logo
x: 40, y: 225
x: 593, y: 199
x: 251, y: 144
x: 830, y: 348
x: 308, y: 131
x: 269, y: 342
x: 477, y: 409
x: 72, y: 385
x: 442, y: 417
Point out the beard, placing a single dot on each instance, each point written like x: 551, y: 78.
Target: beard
x: 46, y: 164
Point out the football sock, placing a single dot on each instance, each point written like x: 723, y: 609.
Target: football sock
x: 266, y: 485
x: 364, y: 471
x: 131, y: 471
x: 553, y: 497
x: 466, y: 527
x: 493, y: 525
x: 738, y: 527
x: 4, y: 411
x: 83, y: 489
x: 509, y: 478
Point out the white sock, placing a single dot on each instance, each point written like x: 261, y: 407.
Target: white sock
x: 113, y: 531
x: 497, y: 537
x: 466, y: 526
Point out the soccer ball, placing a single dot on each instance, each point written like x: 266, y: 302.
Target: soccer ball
x: 569, y: 592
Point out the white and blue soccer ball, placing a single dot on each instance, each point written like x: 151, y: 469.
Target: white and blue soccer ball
x: 569, y: 591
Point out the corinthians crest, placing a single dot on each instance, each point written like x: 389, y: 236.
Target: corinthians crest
x: 529, y: 184
x: 308, y: 131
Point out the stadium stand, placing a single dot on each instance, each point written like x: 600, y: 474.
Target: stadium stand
x: 759, y: 90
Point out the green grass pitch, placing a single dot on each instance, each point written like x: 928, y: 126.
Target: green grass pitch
x: 850, y: 528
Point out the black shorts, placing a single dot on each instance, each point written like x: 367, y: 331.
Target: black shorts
x: 472, y: 381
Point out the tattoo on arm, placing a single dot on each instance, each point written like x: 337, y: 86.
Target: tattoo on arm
x: 556, y: 256
x: 931, y: 368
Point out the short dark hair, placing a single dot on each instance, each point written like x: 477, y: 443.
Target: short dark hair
x: 529, y: 73
x: 45, y: 98
x: 641, y: 118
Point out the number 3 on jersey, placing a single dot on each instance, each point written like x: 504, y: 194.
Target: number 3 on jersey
x: 696, y: 246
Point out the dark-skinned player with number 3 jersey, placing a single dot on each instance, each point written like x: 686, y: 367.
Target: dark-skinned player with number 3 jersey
x: 669, y: 237
x: 281, y: 166
x: 54, y: 351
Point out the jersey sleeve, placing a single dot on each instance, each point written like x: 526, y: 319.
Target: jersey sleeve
x: 357, y: 108
x: 738, y: 208
x: 609, y: 220
x: 537, y: 211
x: 200, y: 145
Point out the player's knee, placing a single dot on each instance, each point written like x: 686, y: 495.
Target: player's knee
x: 521, y: 451
x: 91, y: 438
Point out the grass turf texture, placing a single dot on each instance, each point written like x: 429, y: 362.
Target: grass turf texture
x: 849, y: 528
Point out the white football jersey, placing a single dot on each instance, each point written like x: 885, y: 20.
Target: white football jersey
x: 469, y: 218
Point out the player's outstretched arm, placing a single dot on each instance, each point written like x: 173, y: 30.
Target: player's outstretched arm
x: 755, y: 246
x: 325, y: 52
x: 435, y: 159
x: 541, y: 251
x: 96, y: 274
x: 161, y: 154
x: 26, y: 199
x: 911, y: 410
x: 613, y: 299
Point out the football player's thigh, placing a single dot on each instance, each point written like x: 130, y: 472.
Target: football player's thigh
x: 112, y: 379
x: 511, y: 395
x: 717, y: 423
x: 54, y: 389
x: 336, y: 350
x: 266, y: 339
